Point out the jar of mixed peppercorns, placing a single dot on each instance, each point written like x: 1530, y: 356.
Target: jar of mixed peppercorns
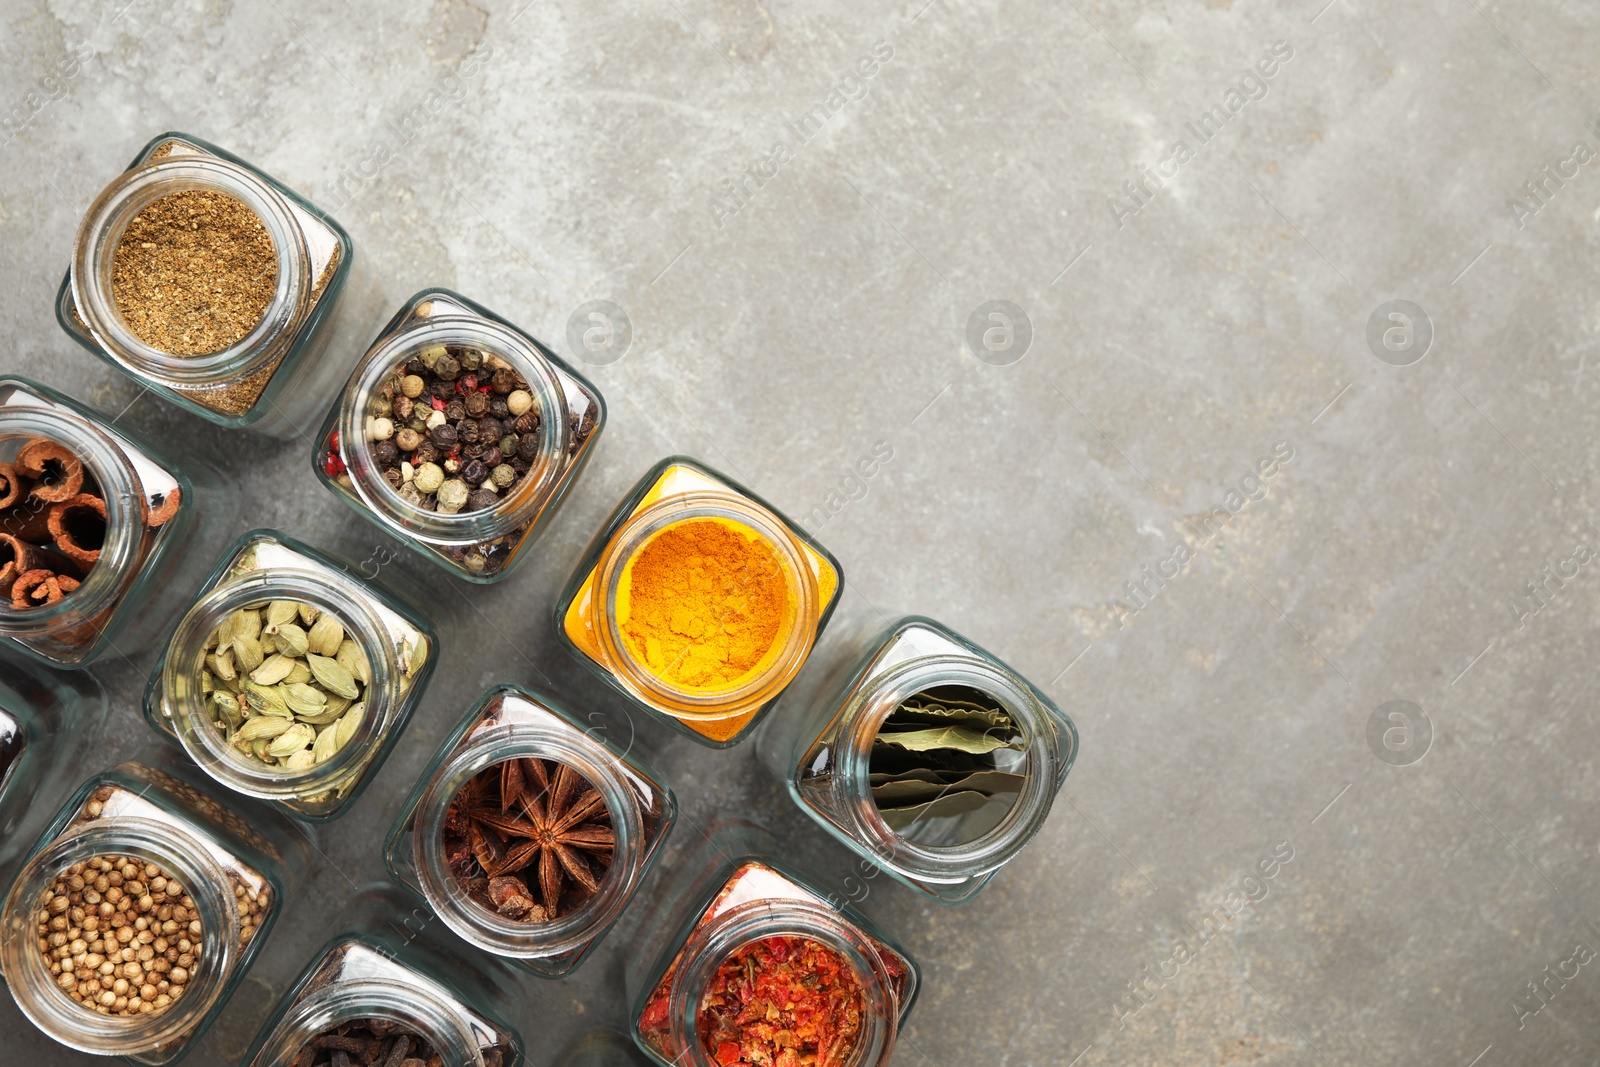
x: 93, y: 524
x: 933, y: 760
x: 530, y: 831
x: 210, y: 283
x: 289, y: 679
x: 698, y: 601
x: 459, y: 434
x: 745, y: 963
x: 385, y: 992
x: 140, y: 909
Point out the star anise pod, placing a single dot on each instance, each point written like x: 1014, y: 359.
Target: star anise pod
x: 528, y: 820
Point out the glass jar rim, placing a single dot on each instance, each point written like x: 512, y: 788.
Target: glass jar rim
x: 872, y: 704
x: 178, y: 853
x: 122, y: 493
x: 476, y: 924
x: 461, y: 528
x: 193, y: 726
x: 348, y: 1000
x: 708, y: 705
x: 101, y: 230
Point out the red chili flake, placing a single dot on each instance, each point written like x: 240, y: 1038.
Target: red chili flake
x: 781, y: 1002
x: 438, y: 403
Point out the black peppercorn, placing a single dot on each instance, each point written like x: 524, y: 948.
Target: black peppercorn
x: 481, y: 499
x: 455, y: 410
x: 424, y: 453
x: 471, y: 358
x: 442, y: 389
x: 504, y: 380
x: 525, y: 423
x: 520, y: 465
x: 386, y: 454
x: 447, y: 368
x: 467, y: 432
x: 498, y: 407
x: 414, y: 366
x: 392, y: 476
x: 490, y: 430
x: 403, y: 407
x: 492, y: 457
x: 582, y: 426
x: 477, y: 404
x: 528, y: 448
x: 474, y: 471
x: 443, y: 437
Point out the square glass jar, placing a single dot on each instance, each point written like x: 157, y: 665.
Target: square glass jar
x: 934, y: 760
x: 386, y: 967
x: 189, y: 691
x: 235, y: 861
x: 679, y: 507
x: 433, y: 847
x: 445, y: 349
x: 83, y: 501
x: 270, y: 380
x: 733, y: 908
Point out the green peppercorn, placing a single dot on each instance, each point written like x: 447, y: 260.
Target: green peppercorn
x: 453, y: 495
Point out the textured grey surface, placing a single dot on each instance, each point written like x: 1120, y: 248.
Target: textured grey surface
x: 1173, y: 346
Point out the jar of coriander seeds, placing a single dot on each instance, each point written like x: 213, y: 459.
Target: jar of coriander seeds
x: 211, y: 283
x: 290, y: 679
x: 94, y: 524
x: 459, y: 434
x: 387, y: 991
x: 698, y: 601
x: 934, y: 760
x: 140, y: 909
x: 530, y: 831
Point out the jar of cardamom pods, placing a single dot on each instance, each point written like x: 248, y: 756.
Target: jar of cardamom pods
x: 290, y: 679
x: 531, y: 830
x: 212, y: 284
x: 698, y: 601
x: 140, y: 909
x: 387, y: 991
x: 459, y: 434
x: 95, y: 525
x: 933, y: 759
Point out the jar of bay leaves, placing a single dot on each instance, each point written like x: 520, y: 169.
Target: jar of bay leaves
x: 459, y: 434
x: 210, y: 283
x: 933, y: 760
x: 289, y: 679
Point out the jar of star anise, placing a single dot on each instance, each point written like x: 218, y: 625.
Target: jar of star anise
x: 530, y: 831
x: 744, y: 962
x: 387, y: 992
x: 141, y: 908
x: 459, y: 434
x: 93, y: 524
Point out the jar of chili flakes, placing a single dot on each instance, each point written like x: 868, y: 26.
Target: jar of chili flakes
x: 141, y: 908
x: 459, y: 434
x: 530, y: 831
x: 211, y: 283
x: 747, y: 964
x: 933, y: 760
x: 698, y: 601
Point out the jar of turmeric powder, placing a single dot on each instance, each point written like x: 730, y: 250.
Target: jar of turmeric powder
x: 698, y: 601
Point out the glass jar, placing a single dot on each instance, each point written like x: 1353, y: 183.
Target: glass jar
x: 385, y: 968
x: 271, y: 379
x: 235, y: 862
x: 478, y: 543
x: 977, y: 757
x: 119, y: 546
x: 677, y: 496
x: 513, y: 724
x: 736, y: 908
x: 398, y: 646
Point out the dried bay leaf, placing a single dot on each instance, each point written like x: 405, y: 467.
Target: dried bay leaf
x: 959, y: 738
x: 907, y: 790
x: 949, y: 805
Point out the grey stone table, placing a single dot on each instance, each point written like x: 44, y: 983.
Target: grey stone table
x: 1200, y: 214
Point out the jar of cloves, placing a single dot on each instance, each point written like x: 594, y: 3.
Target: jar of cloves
x: 290, y: 679
x: 933, y: 760
x: 140, y: 909
x: 387, y: 992
x: 210, y: 283
x: 93, y: 525
x: 743, y: 961
x: 459, y: 434
x: 530, y: 831
x: 698, y: 601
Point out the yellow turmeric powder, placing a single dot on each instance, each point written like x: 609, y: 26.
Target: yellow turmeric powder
x: 706, y: 601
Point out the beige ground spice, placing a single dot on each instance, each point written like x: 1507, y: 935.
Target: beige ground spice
x: 194, y: 272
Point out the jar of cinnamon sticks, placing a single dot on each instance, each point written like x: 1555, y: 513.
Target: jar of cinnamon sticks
x: 91, y: 520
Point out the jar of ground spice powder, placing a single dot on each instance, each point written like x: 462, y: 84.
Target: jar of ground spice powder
x: 140, y: 909
x: 211, y: 283
x: 93, y: 525
x: 387, y: 983
x: 325, y: 662
x: 698, y: 601
x: 530, y: 831
x: 933, y: 760
x: 744, y: 962
x: 459, y: 434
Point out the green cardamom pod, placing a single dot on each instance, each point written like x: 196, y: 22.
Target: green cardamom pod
x: 262, y: 727
x: 207, y: 682
x: 326, y: 635
x: 333, y: 676
x: 337, y: 704
x: 278, y: 613
x: 221, y: 665
x: 349, y: 723
x: 292, y: 740
x: 246, y: 623
x: 354, y: 660
x: 299, y: 672
x: 309, y: 613
x: 300, y: 760
x: 273, y: 670
x: 247, y: 652
x: 223, y: 634
x: 303, y: 699
x: 326, y: 745
x: 292, y: 640
x: 228, y: 707
x: 266, y: 700
x: 259, y: 749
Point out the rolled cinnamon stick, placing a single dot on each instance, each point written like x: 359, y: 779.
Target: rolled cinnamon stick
x: 41, y: 586
x: 160, y: 511
x: 78, y: 528
x: 29, y: 520
x: 57, y: 472
x: 16, y: 559
x: 12, y: 485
